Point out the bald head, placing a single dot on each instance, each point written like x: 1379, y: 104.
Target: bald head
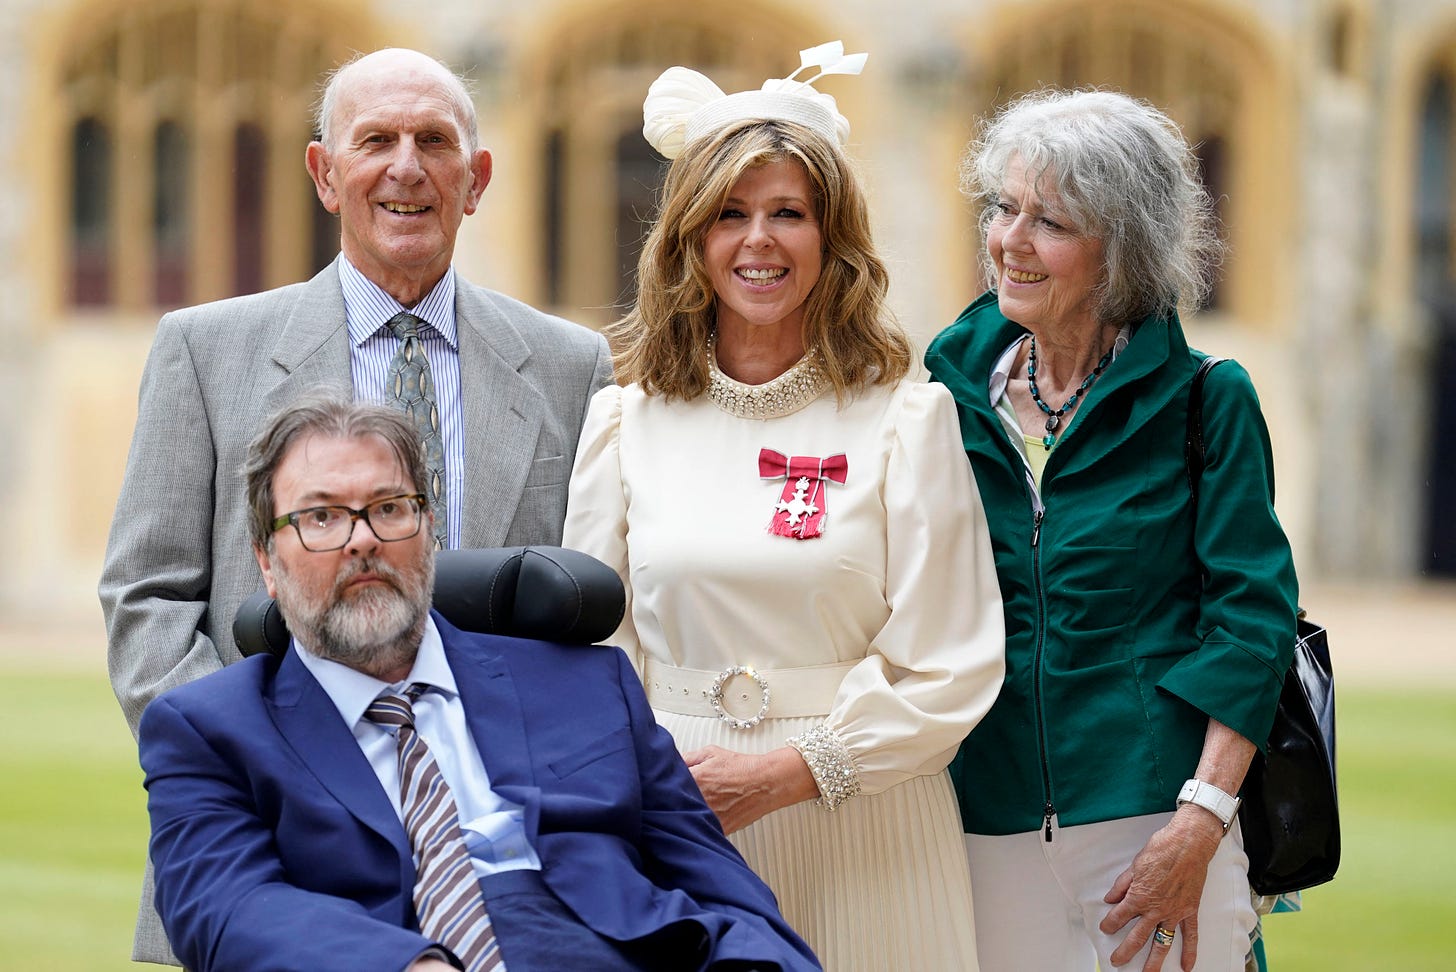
x: 388, y: 68
x: 399, y: 162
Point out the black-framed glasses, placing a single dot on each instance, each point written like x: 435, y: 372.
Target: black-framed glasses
x: 324, y: 528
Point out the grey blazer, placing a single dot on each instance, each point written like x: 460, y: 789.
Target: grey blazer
x: 179, y: 562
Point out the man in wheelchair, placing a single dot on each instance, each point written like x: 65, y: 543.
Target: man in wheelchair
x: 390, y: 791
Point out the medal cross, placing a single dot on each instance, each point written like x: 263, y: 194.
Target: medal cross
x: 798, y: 507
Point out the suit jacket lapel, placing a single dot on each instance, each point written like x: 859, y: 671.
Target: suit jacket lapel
x: 497, y: 721
x: 313, y: 346
x: 309, y: 722
x: 502, y: 415
x: 501, y: 412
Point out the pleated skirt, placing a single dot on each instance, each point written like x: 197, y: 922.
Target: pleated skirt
x: 879, y: 885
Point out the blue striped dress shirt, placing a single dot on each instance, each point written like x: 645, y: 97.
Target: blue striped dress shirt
x: 494, y: 828
x: 368, y: 309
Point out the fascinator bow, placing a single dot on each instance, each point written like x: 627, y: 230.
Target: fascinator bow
x: 683, y: 104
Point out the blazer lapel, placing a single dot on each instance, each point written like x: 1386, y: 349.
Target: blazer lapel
x: 309, y: 722
x: 502, y: 415
x: 497, y: 721
x: 313, y: 346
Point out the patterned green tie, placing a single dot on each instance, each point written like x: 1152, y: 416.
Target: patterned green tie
x: 413, y: 389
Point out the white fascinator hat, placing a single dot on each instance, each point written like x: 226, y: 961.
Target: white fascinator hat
x: 683, y: 105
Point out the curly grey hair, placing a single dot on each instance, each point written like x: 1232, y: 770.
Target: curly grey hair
x: 458, y: 86
x: 1127, y: 177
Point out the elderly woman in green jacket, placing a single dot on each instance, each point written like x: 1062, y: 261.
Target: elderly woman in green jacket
x: 1146, y: 640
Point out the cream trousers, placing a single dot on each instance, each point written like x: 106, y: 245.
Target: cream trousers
x: 1038, y: 902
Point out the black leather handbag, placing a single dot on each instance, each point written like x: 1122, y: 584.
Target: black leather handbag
x: 1290, y: 815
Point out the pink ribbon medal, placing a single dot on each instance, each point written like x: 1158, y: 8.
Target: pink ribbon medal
x: 804, y: 503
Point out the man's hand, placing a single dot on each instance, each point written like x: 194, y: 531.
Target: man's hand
x: 740, y: 788
x: 1163, y: 886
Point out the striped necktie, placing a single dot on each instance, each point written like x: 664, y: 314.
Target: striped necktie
x: 447, y: 895
x: 412, y: 387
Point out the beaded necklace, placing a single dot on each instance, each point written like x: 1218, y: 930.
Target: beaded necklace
x: 784, y: 395
x: 1054, y: 418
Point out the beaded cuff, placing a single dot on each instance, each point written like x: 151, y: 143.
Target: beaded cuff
x: 831, y: 763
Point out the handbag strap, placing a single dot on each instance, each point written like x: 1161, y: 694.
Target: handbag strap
x: 1194, y: 454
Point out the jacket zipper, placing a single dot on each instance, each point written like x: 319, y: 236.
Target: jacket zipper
x: 1050, y: 810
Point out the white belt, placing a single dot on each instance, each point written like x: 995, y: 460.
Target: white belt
x: 741, y: 695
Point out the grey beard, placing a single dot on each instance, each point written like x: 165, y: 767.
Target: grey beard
x: 377, y: 631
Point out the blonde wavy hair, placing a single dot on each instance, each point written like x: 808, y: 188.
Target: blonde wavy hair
x: 661, y: 342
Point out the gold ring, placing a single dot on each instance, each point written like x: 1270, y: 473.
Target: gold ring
x: 1162, y: 937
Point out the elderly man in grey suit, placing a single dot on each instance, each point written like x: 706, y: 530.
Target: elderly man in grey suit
x: 399, y: 162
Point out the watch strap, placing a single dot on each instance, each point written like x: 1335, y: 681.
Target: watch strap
x: 1211, y: 798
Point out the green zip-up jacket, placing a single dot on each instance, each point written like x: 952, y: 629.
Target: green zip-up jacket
x: 1118, y: 651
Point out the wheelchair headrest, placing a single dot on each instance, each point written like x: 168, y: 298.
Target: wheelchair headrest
x: 546, y: 593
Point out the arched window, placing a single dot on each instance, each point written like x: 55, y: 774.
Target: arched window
x: 554, y: 238
x: 598, y: 177
x: 1434, y: 197
x: 1435, y: 278
x: 90, y: 278
x: 171, y: 194
x: 187, y: 123
x: 250, y: 189
x: 1213, y: 168
x: 640, y: 172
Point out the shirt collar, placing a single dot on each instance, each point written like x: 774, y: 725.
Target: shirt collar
x: 1001, y: 373
x: 367, y: 307
x: 352, y: 691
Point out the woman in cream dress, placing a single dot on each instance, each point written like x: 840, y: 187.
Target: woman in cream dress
x: 812, y: 601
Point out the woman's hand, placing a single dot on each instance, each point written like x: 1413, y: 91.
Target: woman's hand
x: 741, y: 788
x: 1163, y: 886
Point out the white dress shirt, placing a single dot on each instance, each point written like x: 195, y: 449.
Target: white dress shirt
x: 493, y: 828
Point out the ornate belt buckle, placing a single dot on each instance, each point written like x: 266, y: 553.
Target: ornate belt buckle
x: 715, y: 696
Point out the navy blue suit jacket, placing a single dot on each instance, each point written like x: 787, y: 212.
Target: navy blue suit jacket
x: 275, y: 846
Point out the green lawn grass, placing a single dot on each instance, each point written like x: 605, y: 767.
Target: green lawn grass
x: 1393, y: 905
x: 73, y: 833
x: 73, y: 826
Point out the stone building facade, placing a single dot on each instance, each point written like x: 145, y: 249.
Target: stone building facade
x: 155, y: 154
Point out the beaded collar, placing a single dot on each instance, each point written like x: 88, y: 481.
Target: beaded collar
x: 784, y: 395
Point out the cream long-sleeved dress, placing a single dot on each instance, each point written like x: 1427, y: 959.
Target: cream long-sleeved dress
x: 882, y: 639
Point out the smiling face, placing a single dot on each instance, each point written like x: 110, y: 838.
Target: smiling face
x: 1047, y: 272
x: 765, y: 250
x: 398, y: 171
x: 365, y: 604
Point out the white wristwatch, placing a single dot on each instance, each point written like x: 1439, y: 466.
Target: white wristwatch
x: 1212, y: 799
